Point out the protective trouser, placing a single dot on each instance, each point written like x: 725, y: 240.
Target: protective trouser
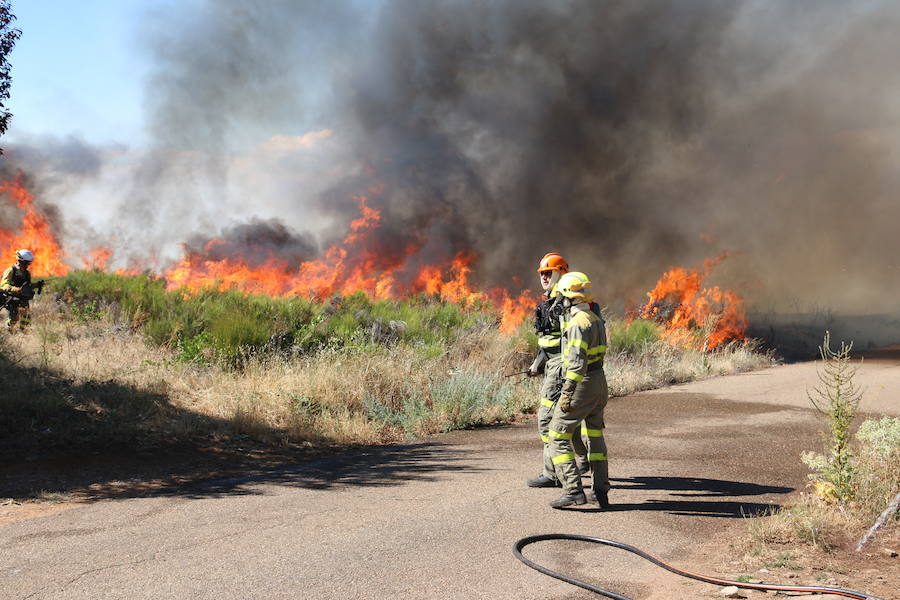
x: 550, y: 390
x: 18, y: 313
x: 588, y: 403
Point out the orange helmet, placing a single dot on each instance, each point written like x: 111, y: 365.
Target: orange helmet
x: 553, y: 261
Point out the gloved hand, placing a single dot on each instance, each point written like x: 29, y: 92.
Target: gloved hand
x: 565, y: 399
x: 26, y: 292
x: 531, y: 373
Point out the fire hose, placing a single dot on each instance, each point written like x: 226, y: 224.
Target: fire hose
x: 517, y: 550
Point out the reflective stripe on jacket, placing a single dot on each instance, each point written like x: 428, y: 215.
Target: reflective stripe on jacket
x: 546, y: 322
x: 583, y: 341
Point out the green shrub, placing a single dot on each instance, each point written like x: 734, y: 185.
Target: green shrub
x: 876, y: 476
x: 380, y: 412
x: 632, y: 337
x: 192, y: 349
x: 467, y: 399
x: 228, y: 326
x: 464, y: 399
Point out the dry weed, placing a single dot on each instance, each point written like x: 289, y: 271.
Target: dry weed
x: 352, y: 395
x: 808, y: 521
x: 659, y: 364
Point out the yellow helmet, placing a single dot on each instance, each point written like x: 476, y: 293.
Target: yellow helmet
x: 576, y: 286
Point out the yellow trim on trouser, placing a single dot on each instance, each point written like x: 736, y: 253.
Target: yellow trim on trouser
x: 546, y: 402
x: 596, y: 456
x: 591, y: 432
x: 545, y: 439
x: 559, y: 436
x: 563, y: 458
x: 573, y: 376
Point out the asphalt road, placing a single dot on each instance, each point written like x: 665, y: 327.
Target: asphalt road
x: 437, y: 518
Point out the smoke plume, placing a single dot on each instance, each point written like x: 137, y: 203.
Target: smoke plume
x: 631, y: 137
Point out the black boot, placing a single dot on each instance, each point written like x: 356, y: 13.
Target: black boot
x: 542, y: 481
x: 569, y: 500
x: 600, y: 497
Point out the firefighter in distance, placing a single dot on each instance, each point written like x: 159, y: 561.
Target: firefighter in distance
x: 17, y: 290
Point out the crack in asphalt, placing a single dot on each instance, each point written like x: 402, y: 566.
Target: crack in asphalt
x: 158, y: 553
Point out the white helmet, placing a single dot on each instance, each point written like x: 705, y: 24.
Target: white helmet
x: 25, y: 254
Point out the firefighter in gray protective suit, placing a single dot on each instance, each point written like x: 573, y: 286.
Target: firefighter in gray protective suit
x: 584, y: 394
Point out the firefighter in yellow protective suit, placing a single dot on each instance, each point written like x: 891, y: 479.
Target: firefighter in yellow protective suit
x: 16, y: 283
x: 584, y: 394
x: 551, y: 267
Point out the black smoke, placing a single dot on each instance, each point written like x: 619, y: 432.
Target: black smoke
x: 630, y: 136
x: 254, y: 244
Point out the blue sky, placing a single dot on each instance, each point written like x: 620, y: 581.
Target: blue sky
x: 78, y: 69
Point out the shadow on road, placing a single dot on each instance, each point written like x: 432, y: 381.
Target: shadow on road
x: 376, y: 466
x: 379, y: 466
x: 99, y: 439
x: 694, y: 487
x: 698, y: 486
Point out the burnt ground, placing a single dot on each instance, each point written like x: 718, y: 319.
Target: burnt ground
x: 796, y: 337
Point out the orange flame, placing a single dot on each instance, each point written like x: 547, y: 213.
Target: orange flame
x: 683, y: 306
x: 97, y: 258
x: 34, y: 233
x: 355, y: 264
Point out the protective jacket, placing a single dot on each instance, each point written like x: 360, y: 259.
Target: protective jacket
x: 13, y: 279
x: 583, y: 340
x: 546, y: 322
x: 582, y: 401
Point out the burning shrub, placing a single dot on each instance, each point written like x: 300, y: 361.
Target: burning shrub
x: 693, y: 316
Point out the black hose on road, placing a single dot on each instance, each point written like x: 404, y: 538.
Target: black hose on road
x: 517, y: 550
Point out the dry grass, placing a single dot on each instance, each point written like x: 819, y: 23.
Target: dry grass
x: 854, y: 481
x: 328, y: 395
x: 349, y: 395
x: 809, y: 521
x: 659, y: 364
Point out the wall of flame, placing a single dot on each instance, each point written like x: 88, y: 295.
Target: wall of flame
x: 356, y: 264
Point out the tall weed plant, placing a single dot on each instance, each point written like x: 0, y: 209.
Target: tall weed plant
x: 854, y: 479
x: 837, y: 398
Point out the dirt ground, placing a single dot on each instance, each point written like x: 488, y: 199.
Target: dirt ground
x: 872, y: 569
